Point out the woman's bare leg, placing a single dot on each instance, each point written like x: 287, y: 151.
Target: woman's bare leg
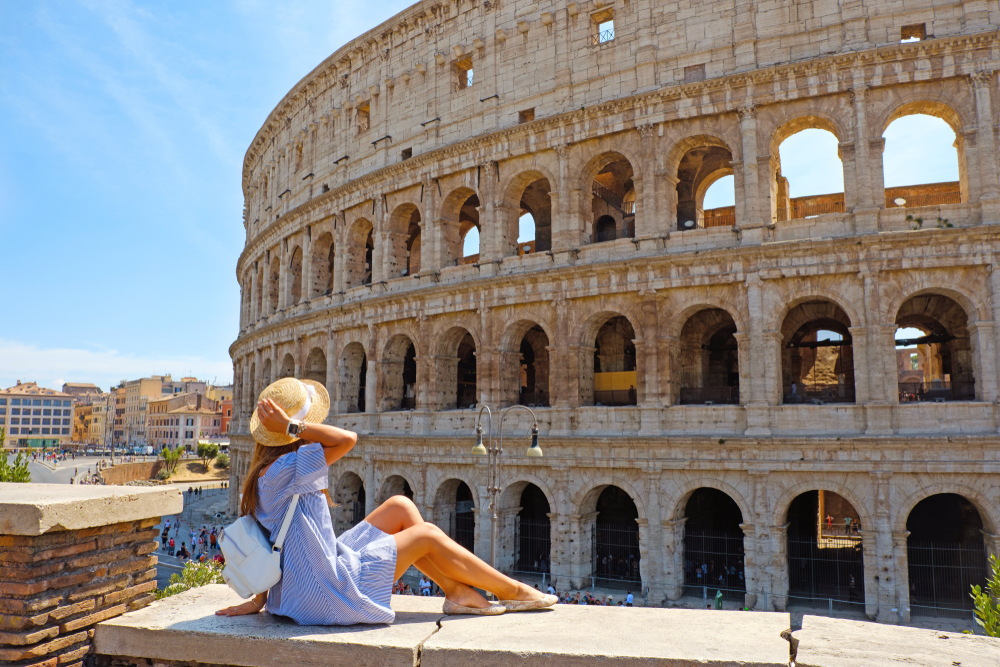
x: 396, y: 515
x: 427, y: 542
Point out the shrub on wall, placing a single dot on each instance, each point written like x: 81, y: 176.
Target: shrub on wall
x: 988, y: 601
x: 16, y: 471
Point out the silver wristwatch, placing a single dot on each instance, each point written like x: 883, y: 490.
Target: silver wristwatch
x: 294, y: 428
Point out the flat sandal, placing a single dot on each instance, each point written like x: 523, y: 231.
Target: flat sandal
x: 452, y: 609
x: 530, y: 605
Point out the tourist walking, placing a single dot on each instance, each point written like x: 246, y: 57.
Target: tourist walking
x: 331, y: 580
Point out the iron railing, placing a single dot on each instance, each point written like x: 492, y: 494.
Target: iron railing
x: 720, y: 217
x: 713, y: 561
x: 533, y: 399
x: 465, y: 530
x: 615, y: 397
x: 936, y: 390
x: 826, y: 393
x: 534, y: 546
x: 702, y: 395
x: 615, y: 554
x: 357, y: 513
x: 914, y: 200
x: 604, y: 36
x: 826, y: 568
x: 942, y: 575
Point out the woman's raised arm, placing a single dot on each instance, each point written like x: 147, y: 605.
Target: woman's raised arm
x: 336, y: 441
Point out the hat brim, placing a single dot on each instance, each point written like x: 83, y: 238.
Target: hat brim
x: 317, y: 415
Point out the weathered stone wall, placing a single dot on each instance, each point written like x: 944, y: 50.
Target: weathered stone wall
x: 674, y: 89
x: 130, y: 472
x: 70, y: 559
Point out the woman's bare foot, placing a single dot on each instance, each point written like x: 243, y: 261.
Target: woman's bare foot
x: 467, y: 597
x: 527, y: 593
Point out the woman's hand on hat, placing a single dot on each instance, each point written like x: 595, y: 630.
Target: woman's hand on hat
x: 272, y: 416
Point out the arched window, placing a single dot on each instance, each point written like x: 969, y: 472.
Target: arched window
x: 272, y: 286
x: 933, y: 351
x: 361, y: 246
x: 719, y: 204
x: 709, y: 359
x: 323, y: 255
x: 809, y: 178
x: 399, y: 375
x: 613, y: 200
x: 526, y: 543
x: 706, y: 163
x: 295, y: 277
x: 825, y: 556
x: 287, y: 367
x: 530, y: 197
x: 404, y: 242
x: 316, y: 366
x: 817, y: 354
x: 923, y: 162
x: 713, y: 545
x: 353, y: 378
x: 615, y: 547
x: 350, y: 502
x: 455, y: 511
x: 614, y: 364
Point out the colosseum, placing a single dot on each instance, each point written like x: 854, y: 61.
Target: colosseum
x: 723, y: 398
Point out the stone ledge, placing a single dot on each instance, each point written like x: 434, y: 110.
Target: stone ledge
x: 36, y: 509
x: 837, y: 642
x: 184, y: 629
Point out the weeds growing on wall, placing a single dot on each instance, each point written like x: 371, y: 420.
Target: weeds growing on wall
x: 16, y: 471
x: 194, y: 575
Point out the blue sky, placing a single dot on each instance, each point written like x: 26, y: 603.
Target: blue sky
x: 120, y: 203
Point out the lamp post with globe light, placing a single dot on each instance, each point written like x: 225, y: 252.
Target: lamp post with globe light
x: 495, y: 463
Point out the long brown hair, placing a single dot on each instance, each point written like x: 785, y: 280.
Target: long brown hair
x: 262, y: 457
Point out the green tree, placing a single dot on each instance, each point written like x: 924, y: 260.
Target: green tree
x: 193, y: 575
x: 171, y: 456
x: 207, y: 451
x: 988, y: 602
x: 222, y: 461
x: 16, y: 471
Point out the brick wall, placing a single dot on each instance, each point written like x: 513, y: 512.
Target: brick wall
x: 55, y: 587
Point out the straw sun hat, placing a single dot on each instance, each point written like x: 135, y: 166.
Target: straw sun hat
x: 304, y: 400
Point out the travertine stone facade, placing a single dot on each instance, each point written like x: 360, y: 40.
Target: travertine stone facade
x: 358, y: 191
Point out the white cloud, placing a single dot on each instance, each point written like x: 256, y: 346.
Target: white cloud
x: 104, y: 367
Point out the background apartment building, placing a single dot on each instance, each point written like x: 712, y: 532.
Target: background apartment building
x: 34, y: 416
x: 182, y: 419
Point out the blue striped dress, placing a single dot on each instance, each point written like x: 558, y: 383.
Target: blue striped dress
x: 324, y: 580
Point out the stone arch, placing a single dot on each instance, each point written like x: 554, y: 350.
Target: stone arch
x: 693, y: 485
x: 402, y: 233
x: 909, y: 102
x: 612, y: 184
x: 295, y: 276
x: 714, y: 549
x: 812, y: 293
x: 450, y: 512
x: 287, y: 369
x: 254, y: 391
x: 315, y: 368
x: 273, y: 281
x: 525, y: 544
x: 323, y: 255
x: 779, y: 514
x: 525, y: 373
x: 349, y: 497
x: 948, y: 356
x: 616, y: 381
x: 972, y: 304
x: 608, y: 524
x: 784, y: 207
x: 459, y: 214
x: 353, y: 379
x: 455, y: 369
x: 266, y: 373
x: 706, y: 359
x: 682, y: 312
x: 397, y: 388
x: 696, y: 162
x: 988, y: 509
x: 585, y: 499
x: 396, y: 484
x: 817, y: 365
x: 530, y: 192
x: 360, y: 254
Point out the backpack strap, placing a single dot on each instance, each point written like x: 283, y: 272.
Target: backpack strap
x: 285, y: 524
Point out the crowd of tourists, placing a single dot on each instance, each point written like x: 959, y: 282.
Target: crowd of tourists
x: 428, y: 588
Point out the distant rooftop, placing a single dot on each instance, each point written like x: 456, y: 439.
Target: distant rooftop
x: 32, y: 389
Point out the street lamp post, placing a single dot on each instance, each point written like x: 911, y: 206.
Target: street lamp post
x: 495, y: 463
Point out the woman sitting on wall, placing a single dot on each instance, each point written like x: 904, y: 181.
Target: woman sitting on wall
x: 331, y: 580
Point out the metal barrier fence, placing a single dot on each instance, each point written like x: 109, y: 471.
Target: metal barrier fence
x: 702, y: 395
x: 825, y: 569
x: 942, y: 575
x: 713, y: 560
x: 615, y: 397
x: 534, y: 546
x: 824, y: 393
x: 615, y: 551
x: 357, y: 513
x: 936, y: 390
x: 465, y: 530
x: 829, y: 606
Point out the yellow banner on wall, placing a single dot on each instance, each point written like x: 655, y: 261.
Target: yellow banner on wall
x: 620, y: 381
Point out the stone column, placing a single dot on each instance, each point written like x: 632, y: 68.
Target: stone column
x: 900, y: 609
x: 645, y: 191
x: 982, y: 337
x: 995, y: 302
x: 989, y: 197
x: 567, y: 227
x: 370, y: 491
x: 764, y: 354
x: 71, y: 560
x: 743, y: 359
x: 332, y: 374
x: 283, y: 275
x: 880, y: 566
x: 869, y: 195
x: 750, y: 569
x: 757, y: 216
x: 672, y: 536
x: 862, y: 370
x: 778, y: 538
x: 578, y: 565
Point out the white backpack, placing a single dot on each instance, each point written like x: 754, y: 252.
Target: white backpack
x: 253, y: 565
